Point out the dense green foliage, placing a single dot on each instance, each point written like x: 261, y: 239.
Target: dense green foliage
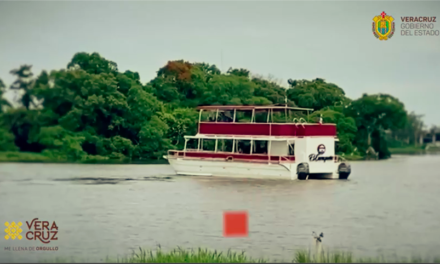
x: 91, y: 110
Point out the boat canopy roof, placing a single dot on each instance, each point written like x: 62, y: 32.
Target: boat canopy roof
x: 251, y: 107
x: 265, y: 138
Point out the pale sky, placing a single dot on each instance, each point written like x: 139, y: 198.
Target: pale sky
x: 298, y: 40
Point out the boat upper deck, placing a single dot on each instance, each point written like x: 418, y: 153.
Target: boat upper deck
x: 222, y: 120
x: 271, y: 129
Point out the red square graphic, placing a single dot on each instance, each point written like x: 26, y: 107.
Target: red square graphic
x: 235, y: 224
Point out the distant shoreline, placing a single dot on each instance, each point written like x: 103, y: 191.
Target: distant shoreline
x: 31, y: 157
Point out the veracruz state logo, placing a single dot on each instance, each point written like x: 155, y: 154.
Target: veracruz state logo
x: 13, y: 230
x: 43, y: 231
x: 383, y: 26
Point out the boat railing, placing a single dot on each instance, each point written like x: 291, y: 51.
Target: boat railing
x: 243, y: 156
x: 230, y: 156
x: 281, y: 158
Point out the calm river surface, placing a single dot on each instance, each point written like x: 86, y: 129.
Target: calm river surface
x: 385, y: 208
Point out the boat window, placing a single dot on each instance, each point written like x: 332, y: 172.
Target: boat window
x: 225, y: 116
x: 207, y: 145
x: 260, y: 147
x: 292, y: 149
x: 208, y: 116
x: 192, y: 144
x: 243, y: 116
x: 261, y: 116
x: 244, y: 147
x: 280, y: 117
x: 275, y: 116
x: 224, y: 145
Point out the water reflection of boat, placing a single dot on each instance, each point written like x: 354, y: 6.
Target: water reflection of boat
x: 259, y: 142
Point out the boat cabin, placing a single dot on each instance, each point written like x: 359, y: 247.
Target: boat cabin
x: 260, y: 120
x: 259, y: 133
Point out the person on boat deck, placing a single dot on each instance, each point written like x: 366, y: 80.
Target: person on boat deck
x: 225, y: 118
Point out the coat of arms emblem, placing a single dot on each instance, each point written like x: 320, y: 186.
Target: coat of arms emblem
x: 383, y: 26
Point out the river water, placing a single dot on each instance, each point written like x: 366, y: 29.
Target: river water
x: 385, y: 208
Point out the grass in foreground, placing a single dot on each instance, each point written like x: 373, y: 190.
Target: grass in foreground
x: 304, y: 256
x: 201, y: 255
x: 180, y: 255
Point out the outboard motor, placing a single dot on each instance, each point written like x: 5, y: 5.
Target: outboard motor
x: 344, y: 170
x: 303, y: 171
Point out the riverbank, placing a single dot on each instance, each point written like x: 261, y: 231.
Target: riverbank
x: 414, y: 150
x: 353, y: 157
x: 203, y: 255
x: 32, y: 157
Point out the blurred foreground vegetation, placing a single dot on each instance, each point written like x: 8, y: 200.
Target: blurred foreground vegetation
x: 90, y: 111
x: 201, y: 255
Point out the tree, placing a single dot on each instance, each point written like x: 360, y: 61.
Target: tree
x: 271, y: 91
x: 7, y: 141
x: 23, y: 85
x: 315, y: 94
x: 61, y: 143
x: 408, y: 134
x: 376, y: 112
x: 181, y: 83
x: 181, y: 122
x: 92, y: 63
x: 102, y: 110
x: 3, y: 102
x: 152, y: 140
x: 346, y: 127
x: 91, y: 110
x: 239, y: 72
x: 229, y: 90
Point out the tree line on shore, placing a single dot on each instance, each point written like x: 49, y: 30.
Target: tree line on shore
x: 92, y: 111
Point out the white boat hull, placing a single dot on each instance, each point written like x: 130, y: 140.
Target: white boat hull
x: 236, y: 169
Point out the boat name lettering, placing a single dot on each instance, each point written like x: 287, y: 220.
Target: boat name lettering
x: 315, y: 157
x: 320, y: 150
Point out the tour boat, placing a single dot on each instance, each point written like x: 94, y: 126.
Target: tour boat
x: 230, y: 144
